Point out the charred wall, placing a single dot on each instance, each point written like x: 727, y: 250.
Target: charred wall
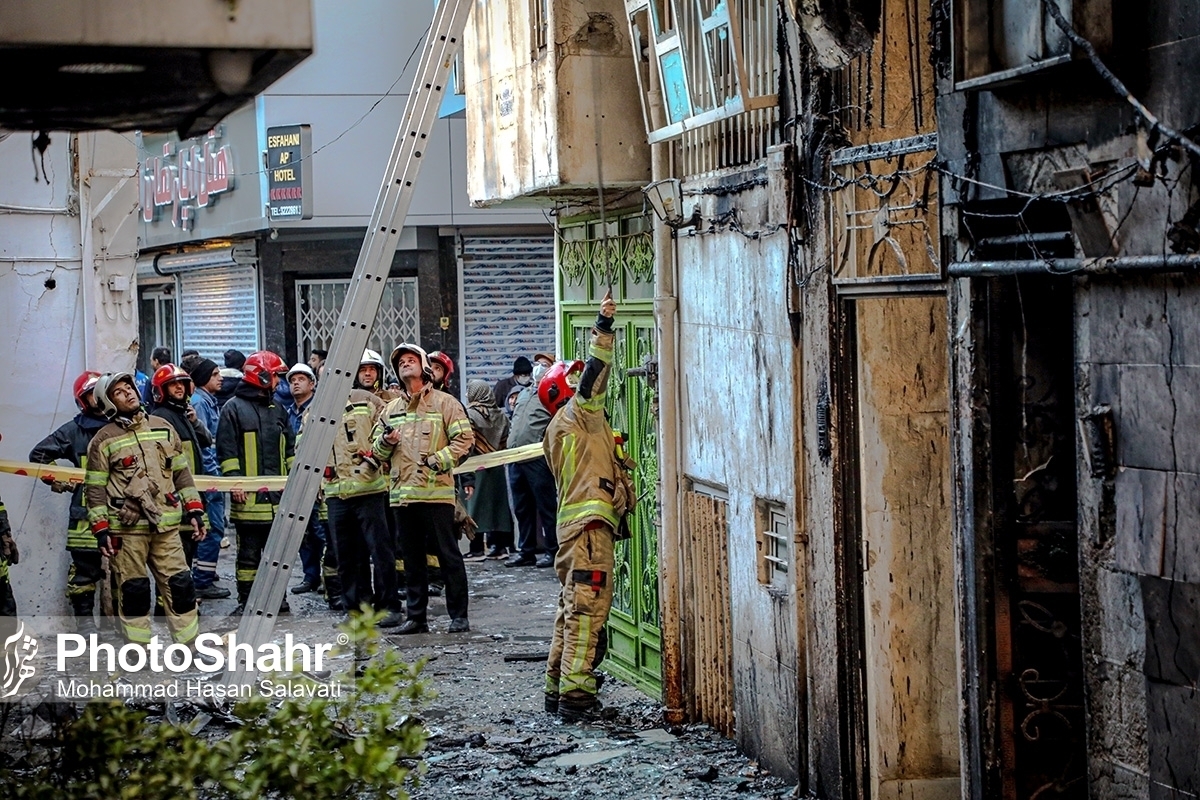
x: 1012, y: 154
x: 738, y: 436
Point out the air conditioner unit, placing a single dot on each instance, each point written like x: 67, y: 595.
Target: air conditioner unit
x: 153, y: 65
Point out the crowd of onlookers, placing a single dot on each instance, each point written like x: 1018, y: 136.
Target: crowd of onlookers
x: 385, y: 529
x: 192, y: 396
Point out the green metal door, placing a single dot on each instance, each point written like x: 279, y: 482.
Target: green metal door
x: 635, y: 636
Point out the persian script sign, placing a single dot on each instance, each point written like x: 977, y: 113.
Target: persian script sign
x: 187, y: 176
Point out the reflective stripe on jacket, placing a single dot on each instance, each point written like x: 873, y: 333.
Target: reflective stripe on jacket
x: 70, y: 443
x: 353, y: 468
x: 254, y: 437
x: 430, y: 423
x: 140, y: 459
x: 579, y: 447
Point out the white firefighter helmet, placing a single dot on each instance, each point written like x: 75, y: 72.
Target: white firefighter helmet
x: 104, y: 385
x: 418, y: 351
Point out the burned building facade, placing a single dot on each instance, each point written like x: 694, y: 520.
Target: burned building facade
x: 919, y: 401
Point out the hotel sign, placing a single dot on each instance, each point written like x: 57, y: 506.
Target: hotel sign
x: 289, y: 172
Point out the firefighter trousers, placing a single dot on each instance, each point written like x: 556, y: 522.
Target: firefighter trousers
x: 584, y: 565
x: 363, y: 541
x: 8, y: 603
x: 415, y: 522
x: 251, y: 539
x: 161, y: 554
x: 83, y: 578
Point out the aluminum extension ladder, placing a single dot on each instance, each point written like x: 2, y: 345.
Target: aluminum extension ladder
x: 350, y: 336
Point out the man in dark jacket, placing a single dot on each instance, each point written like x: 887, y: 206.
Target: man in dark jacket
x: 522, y: 376
x: 158, y: 357
x: 254, y: 437
x: 170, y: 390
x: 70, y: 443
x: 535, y: 498
x: 231, y: 376
x: 207, y: 382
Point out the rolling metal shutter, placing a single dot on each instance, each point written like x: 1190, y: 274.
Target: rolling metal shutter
x: 218, y: 309
x: 507, y: 290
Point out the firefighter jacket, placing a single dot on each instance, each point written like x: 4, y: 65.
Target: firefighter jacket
x: 431, y: 423
x: 140, y: 460
x: 579, y: 447
x: 193, y: 436
x: 353, y: 468
x: 254, y: 437
x: 70, y: 443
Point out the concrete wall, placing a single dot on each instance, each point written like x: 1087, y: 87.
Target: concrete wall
x: 738, y: 432
x: 569, y: 119
x: 1140, y: 355
x: 50, y: 319
x: 352, y: 91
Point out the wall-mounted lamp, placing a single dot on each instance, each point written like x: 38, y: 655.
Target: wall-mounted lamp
x: 666, y: 198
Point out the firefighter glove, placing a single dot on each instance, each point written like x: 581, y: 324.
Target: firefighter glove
x: 8, y: 548
x: 130, y: 512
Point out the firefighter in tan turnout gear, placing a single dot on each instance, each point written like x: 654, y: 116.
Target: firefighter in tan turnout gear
x: 594, y: 493
x: 356, y: 493
x: 425, y: 433
x: 138, y: 491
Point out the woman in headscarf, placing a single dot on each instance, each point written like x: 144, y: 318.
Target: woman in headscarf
x: 488, y: 503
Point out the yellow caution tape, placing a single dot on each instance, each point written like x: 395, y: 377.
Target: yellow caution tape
x: 269, y: 483
x: 526, y: 452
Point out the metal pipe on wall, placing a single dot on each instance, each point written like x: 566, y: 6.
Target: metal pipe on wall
x: 1109, y: 265
x: 670, y: 531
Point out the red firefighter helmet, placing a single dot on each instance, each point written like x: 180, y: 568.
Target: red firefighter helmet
x: 168, y: 373
x: 84, y: 384
x: 260, y: 366
x: 443, y: 359
x: 558, y: 384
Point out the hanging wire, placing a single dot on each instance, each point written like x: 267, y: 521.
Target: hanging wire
x: 608, y: 274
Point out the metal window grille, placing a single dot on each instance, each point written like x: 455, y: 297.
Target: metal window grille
x: 319, y: 302
x: 539, y: 14
x: 715, y: 60
x: 885, y: 213
x: 708, y: 610
x: 774, y: 543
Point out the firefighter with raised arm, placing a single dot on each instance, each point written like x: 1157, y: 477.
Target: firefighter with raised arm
x: 594, y: 495
x: 70, y: 443
x: 139, y: 490
x: 254, y: 437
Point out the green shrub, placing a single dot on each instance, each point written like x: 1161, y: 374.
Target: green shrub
x: 361, y: 744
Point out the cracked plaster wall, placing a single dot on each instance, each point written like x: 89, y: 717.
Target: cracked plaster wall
x: 42, y: 340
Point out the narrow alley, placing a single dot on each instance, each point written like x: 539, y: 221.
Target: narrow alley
x: 488, y: 735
